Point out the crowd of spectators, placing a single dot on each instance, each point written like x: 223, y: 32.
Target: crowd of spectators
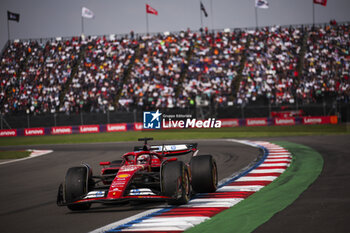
x: 34, y: 74
x: 181, y: 70
x: 99, y: 75
x: 271, y: 65
x: 12, y: 60
x: 156, y: 72
x: 326, y: 64
x: 212, y: 67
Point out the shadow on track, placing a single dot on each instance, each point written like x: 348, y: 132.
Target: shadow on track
x: 126, y: 207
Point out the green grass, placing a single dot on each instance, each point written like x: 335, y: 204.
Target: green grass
x: 254, y: 211
x: 238, y: 132
x: 14, y: 154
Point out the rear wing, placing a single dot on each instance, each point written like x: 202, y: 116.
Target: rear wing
x: 176, y: 149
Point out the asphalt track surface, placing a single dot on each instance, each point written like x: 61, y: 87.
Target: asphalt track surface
x: 325, y: 206
x: 29, y: 187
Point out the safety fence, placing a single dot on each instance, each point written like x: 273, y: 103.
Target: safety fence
x: 138, y: 126
x: 19, y: 121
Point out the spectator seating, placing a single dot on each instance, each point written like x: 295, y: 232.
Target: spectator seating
x: 280, y: 65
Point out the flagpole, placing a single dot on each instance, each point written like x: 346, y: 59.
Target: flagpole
x: 211, y: 12
x: 256, y: 17
x: 200, y: 11
x: 313, y: 13
x: 8, y: 30
x: 82, y: 25
x: 147, y: 26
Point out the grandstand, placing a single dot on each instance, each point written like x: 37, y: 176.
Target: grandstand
x: 221, y: 73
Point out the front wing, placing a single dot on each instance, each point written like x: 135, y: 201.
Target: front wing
x: 98, y: 196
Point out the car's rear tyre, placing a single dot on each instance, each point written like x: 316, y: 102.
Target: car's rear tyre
x: 176, y: 182
x: 76, y: 185
x: 204, y: 174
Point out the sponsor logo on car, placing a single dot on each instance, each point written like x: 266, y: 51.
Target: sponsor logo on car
x: 141, y: 191
x: 130, y: 168
x: 115, y: 190
x: 117, y: 184
x: 95, y: 194
x: 123, y: 175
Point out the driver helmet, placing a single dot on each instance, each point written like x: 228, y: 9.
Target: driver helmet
x: 142, y: 159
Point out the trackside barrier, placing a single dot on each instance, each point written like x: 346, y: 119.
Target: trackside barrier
x: 123, y: 127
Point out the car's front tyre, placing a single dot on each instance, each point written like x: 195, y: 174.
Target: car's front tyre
x: 76, y: 185
x: 176, y: 182
x: 204, y: 174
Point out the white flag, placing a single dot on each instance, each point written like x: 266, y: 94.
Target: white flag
x: 261, y: 4
x: 87, y: 13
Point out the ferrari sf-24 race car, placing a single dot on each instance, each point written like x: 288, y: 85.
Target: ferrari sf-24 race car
x: 148, y: 173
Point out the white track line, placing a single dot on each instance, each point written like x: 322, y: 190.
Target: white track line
x: 124, y: 221
x: 213, y: 202
x: 252, y: 188
x: 267, y: 171
x: 35, y: 153
x: 258, y: 178
x: 273, y: 165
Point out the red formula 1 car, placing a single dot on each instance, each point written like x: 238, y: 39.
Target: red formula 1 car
x: 144, y: 174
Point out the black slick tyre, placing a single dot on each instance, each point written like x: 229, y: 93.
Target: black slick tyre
x: 75, y: 186
x: 176, y: 183
x: 204, y: 174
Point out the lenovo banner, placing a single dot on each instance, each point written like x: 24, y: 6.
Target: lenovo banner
x: 89, y: 129
x: 320, y: 120
x: 285, y: 121
x: 229, y: 122
x: 116, y: 127
x: 34, y: 132
x: 315, y: 120
x: 61, y: 130
x: 8, y: 132
x: 138, y: 126
x: 256, y: 122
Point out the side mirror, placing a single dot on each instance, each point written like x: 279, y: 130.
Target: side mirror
x: 105, y: 163
x: 171, y: 159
